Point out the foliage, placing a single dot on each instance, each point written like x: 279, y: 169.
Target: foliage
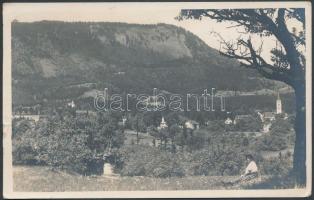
x: 75, y: 144
x: 287, y: 56
x: 280, y: 137
x: 251, y: 123
x: 277, y: 166
x: 23, y: 151
x: 147, y: 161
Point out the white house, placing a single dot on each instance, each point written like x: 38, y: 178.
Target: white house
x: 124, y: 119
x: 228, y: 121
x: 71, y: 104
x: 191, y: 124
x: 266, y: 127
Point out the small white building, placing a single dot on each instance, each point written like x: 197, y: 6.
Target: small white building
x: 71, y: 104
x: 266, y: 127
x: 191, y: 124
x: 228, y: 121
x: 124, y: 119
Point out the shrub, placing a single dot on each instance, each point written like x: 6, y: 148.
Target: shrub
x: 272, y: 142
x: 276, y: 166
x: 147, y: 161
x: 75, y: 144
x: 23, y: 143
x: 68, y: 151
x: 23, y: 151
x: 197, y: 163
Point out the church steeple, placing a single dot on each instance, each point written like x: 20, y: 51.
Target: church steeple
x: 163, y: 124
x: 278, y: 105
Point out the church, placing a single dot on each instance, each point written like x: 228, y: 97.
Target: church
x: 271, y: 116
x: 163, y: 124
x: 268, y: 117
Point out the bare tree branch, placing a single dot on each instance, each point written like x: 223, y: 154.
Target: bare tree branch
x: 262, y: 21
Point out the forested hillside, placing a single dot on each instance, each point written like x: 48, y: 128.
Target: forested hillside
x: 53, y: 59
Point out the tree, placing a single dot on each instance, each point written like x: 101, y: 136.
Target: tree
x: 287, y: 61
x: 173, y: 131
x: 172, y: 118
x: 139, y: 126
x: 250, y: 123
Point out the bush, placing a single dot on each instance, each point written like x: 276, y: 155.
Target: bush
x: 274, y: 141
x: 75, y: 144
x: 68, y: 151
x: 252, y: 123
x: 147, y: 161
x: 23, y: 143
x: 276, y: 166
x: 23, y: 152
x: 201, y: 163
x: 280, y: 136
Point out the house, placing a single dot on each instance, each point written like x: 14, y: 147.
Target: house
x: 228, y: 121
x: 266, y: 127
x: 123, y: 121
x: 191, y: 124
x: 71, y: 104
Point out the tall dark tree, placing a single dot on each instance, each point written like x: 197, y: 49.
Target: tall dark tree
x: 287, y: 61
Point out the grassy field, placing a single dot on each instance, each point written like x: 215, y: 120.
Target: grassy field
x: 38, y: 178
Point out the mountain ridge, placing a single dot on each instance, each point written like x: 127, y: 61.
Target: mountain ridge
x: 121, y: 56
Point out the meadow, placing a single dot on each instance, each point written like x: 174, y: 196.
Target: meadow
x: 43, y: 179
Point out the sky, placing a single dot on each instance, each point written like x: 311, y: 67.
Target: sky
x: 140, y: 13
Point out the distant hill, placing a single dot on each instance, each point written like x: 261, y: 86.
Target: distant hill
x: 55, y: 60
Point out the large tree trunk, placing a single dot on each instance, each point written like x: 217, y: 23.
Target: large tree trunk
x: 299, y: 156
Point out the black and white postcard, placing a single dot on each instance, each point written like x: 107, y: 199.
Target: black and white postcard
x: 176, y: 99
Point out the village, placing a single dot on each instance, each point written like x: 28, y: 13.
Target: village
x: 230, y: 120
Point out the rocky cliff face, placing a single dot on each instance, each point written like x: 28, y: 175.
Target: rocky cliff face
x: 48, y: 56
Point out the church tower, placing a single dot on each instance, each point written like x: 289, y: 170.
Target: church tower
x: 163, y: 124
x: 278, y: 105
